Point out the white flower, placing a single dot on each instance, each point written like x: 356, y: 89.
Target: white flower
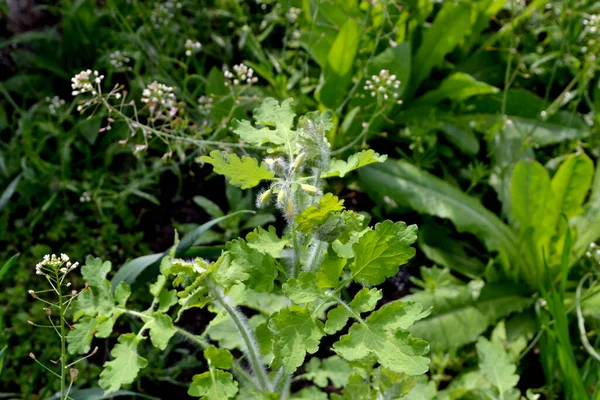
x: 118, y: 59
x: 84, y: 82
x: 85, y: 197
x: 242, y: 74
x: 159, y: 94
x: 54, y: 104
x: 192, y: 47
x: 383, y: 84
x: 292, y: 14
x: 205, y: 104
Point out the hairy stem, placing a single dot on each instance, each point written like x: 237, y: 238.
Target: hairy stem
x: 247, y: 336
x: 315, y: 255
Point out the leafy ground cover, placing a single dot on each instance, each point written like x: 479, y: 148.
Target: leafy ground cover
x: 303, y: 199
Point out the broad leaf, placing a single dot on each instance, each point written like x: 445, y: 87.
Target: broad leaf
x: 358, y: 160
x: 244, y: 172
x: 161, y: 330
x: 266, y: 242
x: 384, y: 334
x: 496, y: 365
x: 405, y: 184
x: 295, y: 332
x: 124, y: 367
x: 213, y: 385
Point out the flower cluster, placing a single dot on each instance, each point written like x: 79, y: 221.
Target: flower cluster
x: 292, y: 14
x: 118, y: 59
x: 593, y: 252
x: 242, y: 74
x: 205, y: 104
x: 84, y: 82
x: 53, y: 264
x: 384, y: 84
x: 163, y: 13
x: 54, y: 103
x: 192, y: 47
x: 159, y: 94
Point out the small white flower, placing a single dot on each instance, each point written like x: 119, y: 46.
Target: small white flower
x: 292, y: 14
x: 159, y: 94
x: 119, y: 60
x: 84, y: 82
x: 205, y: 104
x: 54, y: 104
x: 384, y: 84
x: 192, y: 47
x: 242, y: 74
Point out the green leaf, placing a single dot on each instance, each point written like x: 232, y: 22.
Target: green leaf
x: 358, y: 160
x: 244, y: 172
x: 255, y: 269
x: 340, y: 63
x: 380, y: 252
x: 333, y: 369
x: 366, y: 300
x: 8, y: 265
x: 213, y: 385
x: 267, y: 242
x: 316, y: 215
x: 122, y: 293
x: 161, y: 330
x: 328, y: 274
x: 405, y: 184
x: 383, y: 334
x: 295, y: 332
x: 124, y: 367
x: 97, y: 299
x: 81, y: 336
x: 530, y: 193
x: 588, y: 224
x: 450, y: 27
x: 218, y: 358
x: 456, y: 87
x: 461, y: 313
x: 571, y: 183
x: 209, y: 206
x: 304, y: 289
x: 9, y: 191
x: 271, y: 115
x: 496, y: 365
x: 131, y: 270
x: 337, y: 318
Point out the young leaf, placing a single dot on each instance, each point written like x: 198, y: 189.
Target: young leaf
x: 124, y: 367
x: 256, y: 270
x: 396, y: 350
x: 334, y: 369
x: 244, y: 172
x: 341, y: 168
x: 266, y: 242
x: 495, y: 364
x: 381, y: 251
x: 304, y: 289
x: 161, y: 330
x: 218, y: 358
x: 213, y: 385
x: 316, y: 215
x: 271, y: 115
x: 295, y: 332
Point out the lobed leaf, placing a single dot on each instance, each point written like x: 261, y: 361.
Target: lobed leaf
x: 244, y: 172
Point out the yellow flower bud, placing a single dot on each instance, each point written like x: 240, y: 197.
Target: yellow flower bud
x: 264, y: 198
x: 309, y: 189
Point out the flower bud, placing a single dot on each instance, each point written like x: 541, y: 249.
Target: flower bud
x: 32, y: 356
x: 281, y: 197
x: 264, y: 198
x: 310, y: 189
x: 73, y: 372
x: 32, y: 293
x: 289, y: 209
x: 298, y: 161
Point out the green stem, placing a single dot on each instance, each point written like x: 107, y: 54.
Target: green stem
x: 315, y: 255
x: 63, y: 340
x: 248, y: 338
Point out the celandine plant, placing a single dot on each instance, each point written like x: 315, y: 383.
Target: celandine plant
x: 297, y: 284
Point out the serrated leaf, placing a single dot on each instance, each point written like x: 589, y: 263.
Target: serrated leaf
x: 161, y: 330
x: 316, y: 215
x: 122, y: 293
x: 81, y: 336
x: 166, y: 300
x: 328, y: 274
x: 496, y: 365
x: 266, y: 242
x: 379, y: 334
x: 124, y: 367
x: 304, y: 289
x: 218, y: 358
x: 271, y: 115
x: 366, y: 300
x: 341, y: 168
x: 334, y: 369
x: 244, y: 172
x: 255, y: 269
x: 380, y: 252
x: 98, y: 298
x: 295, y: 332
x: 337, y: 318
x: 213, y: 385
